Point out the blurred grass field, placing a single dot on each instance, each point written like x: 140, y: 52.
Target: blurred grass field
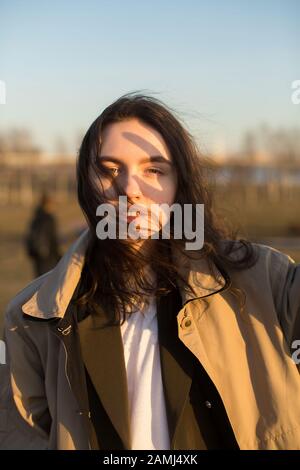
x: 255, y: 221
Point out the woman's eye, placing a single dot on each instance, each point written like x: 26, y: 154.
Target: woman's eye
x: 155, y: 171
x: 114, y: 171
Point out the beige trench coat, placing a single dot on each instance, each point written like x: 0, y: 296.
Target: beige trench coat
x: 247, y: 354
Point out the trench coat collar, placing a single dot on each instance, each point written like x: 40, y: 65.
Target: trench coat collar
x: 55, y: 293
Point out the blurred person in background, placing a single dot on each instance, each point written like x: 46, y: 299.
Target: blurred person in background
x: 142, y: 344
x: 42, y: 245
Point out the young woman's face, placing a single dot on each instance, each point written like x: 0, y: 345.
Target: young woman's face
x: 138, y: 157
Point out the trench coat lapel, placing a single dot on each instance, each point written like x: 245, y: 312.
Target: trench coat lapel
x: 103, y: 355
x: 108, y: 373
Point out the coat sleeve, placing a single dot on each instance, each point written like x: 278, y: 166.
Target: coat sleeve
x: 285, y: 276
x: 26, y: 374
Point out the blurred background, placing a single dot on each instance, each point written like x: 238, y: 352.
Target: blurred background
x: 226, y: 67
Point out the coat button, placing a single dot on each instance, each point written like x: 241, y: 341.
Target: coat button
x: 208, y: 404
x: 82, y: 413
x: 185, y: 323
x: 64, y: 331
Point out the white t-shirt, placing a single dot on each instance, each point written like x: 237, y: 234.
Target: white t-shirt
x: 148, y: 419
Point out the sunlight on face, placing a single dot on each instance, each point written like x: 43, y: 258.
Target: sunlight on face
x: 138, y: 157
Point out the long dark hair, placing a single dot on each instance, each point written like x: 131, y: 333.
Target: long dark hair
x: 110, y: 263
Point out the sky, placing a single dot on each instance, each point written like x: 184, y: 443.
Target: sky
x: 225, y: 66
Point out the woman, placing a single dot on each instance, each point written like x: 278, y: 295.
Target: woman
x: 140, y: 343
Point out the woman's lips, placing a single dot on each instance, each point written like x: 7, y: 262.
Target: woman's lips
x: 130, y: 218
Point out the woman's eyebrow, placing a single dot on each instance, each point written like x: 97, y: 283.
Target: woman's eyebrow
x: 154, y: 158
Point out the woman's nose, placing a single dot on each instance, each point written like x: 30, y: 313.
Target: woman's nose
x: 132, y: 186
